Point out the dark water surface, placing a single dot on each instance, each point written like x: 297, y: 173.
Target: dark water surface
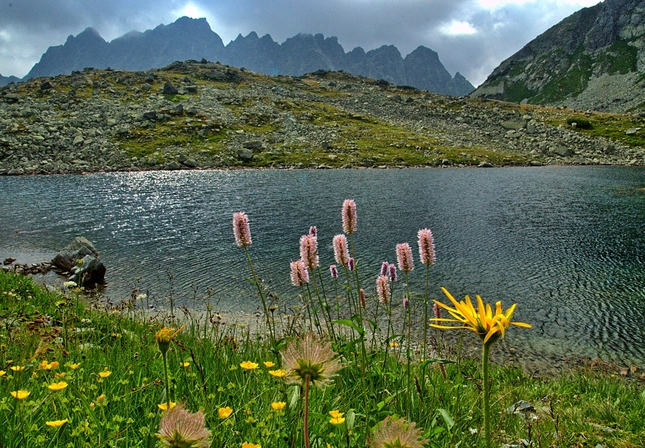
x: 567, y: 244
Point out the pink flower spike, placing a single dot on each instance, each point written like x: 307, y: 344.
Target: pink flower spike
x: 404, y: 257
x: 384, y: 268
x: 392, y: 269
x: 333, y: 270
x: 406, y: 302
x: 361, y: 298
x: 351, y: 264
x: 241, y: 229
x: 341, y: 252
x: 383, y: 289
x: 313, y: 231
x: 426, y: 247
x: 437, y: 310
x: 349, y: 216
x: 309, y: 251
x: 299, y: 273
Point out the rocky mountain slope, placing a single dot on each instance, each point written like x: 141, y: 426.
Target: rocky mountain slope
x: 193, y: 39
x: 594, y: 59
x: 193, y: 115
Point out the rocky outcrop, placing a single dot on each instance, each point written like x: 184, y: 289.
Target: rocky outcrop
x: 80, y: 259
x: 187, y: 39
x: 594, y: 59
x: 222, y: 117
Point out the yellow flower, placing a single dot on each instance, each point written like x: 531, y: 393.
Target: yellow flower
x: 57, y: 386
x: 44, y: 365
x: 250, y: 445
x: 278, y: 405
x: 164, y: 337
x: 185, y: 364
x: 224, y: 412
x: 248, y: 365
x: 280, y: 373
x: 3, y: 372
x: 268, y: 364
x: 74, y: 366
x: 105, y: 373
x: 100, y: 398
x: 165, y: 407
x: 336, y: 417
x: 56, y: 423
x: 20, y: 394
x: 17, y: 368
x: 490, y: 327
x: 60, y: 375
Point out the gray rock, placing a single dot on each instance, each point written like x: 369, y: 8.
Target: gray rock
x: 245, y: 155
x: 513, y: 125
x: 78, y: 248
x: 169, y: 89
x: 89, y: 272
x: 253, y: 145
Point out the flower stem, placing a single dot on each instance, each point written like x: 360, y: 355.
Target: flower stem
x: 485, y: 372
x: 306, y: 420
x: 165, y: 372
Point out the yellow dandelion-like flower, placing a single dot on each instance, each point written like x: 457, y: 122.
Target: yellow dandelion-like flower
x: 251, y: 445
x: 60, y: 375
x: 20, y: 394
x: 3, y: 372
x: 100, y: 398
x: 165, y: 407
x: 481, y: 320
x: 278, y: 405
x: 164, y: 337
x: 268, y: 364
x: 397, y: 433
x: 185, y: 364
x: 224, y: 412
x: 310, y: 359
x: 336, y: 417
x: 280, y: 373
x: 74, y: 366
x: 57, y: 386
x: 248, y: 365
x: 17, y: 368
x: 105, y: 373
x: 56, y: 423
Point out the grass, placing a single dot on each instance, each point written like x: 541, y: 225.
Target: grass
x: 580, y: 408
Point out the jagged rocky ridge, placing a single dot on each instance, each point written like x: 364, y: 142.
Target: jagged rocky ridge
x: 193, y: 39
x: 195, y: 115
x: 593, y: 59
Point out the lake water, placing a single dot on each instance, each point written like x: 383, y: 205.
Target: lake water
x: 567, y: 244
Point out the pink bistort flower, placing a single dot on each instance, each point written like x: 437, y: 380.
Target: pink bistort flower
x: 404, y: 257
x: 341, y: 252
x: 309, y: 251
x: 299, y: 273
x: 333, y: 270
x: 426, y: 247
x: 241, y: 229
x: 383, y: 288
x: 349, y: 216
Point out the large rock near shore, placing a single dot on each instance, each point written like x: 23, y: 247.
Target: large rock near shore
x: 82, y: 259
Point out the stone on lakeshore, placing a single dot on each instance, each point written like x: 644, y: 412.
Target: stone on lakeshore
x: 245, y: 155
x: 75, y: 250
x: 89, y: 273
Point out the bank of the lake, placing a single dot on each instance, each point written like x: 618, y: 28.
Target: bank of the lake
x: 77, y: 376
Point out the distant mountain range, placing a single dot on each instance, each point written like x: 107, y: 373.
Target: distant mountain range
x: 187, y: 39
x: 593, y: 59
x: 4, y: 80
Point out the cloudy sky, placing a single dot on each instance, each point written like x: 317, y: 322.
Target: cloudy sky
x: 471, y: 36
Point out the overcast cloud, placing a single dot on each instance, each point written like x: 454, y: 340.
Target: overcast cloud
x: 471, y: 36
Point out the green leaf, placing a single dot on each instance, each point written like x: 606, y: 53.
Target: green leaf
x: 450, y: 422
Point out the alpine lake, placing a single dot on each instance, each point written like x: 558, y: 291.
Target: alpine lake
x: 566, y: 243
